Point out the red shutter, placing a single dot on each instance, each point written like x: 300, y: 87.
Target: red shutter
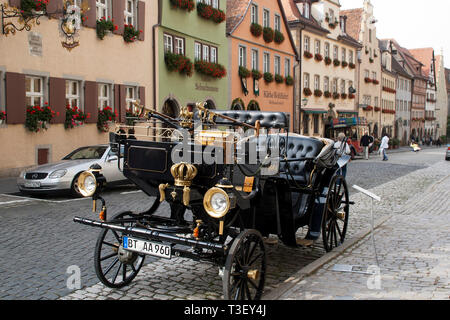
x: 90, y: 19
x: 91, y: 101
x: 57, y: 98
x: 15, y: 98
x: 122, y: 103
x: 141, y: 19
x: 55, y: 8
x: 118, y: 7
x: 142, y: 96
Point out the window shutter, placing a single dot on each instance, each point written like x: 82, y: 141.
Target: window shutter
x: 57, y: 98
x: 141, y: 19
x: 142, y: 95
x: 91, y: 15
x: 55, y: 8
x: 118, y: 7
x: 14, y: 3
x: 91, y: 101
x: 15, y: 98
x: 122, y: 103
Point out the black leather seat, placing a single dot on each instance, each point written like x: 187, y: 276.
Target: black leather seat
x: 298, y: 147
x: 276, y: 120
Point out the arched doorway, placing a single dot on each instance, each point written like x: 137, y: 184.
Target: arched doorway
x: 253, y: 106
x: 238, y: 104
x: 171, y: 109
x: 375, y: 130
x: 210, y: 105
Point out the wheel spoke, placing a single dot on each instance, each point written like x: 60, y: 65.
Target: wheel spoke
x: 250, y: 254
x: 252, y: 283
x: 255, y: 259
x: 247, y: 290
x: 335, y: 235
x: 111, y: 266
x: 124, y: 274
x: 110, y: 244
x: 117, y: 273
x: 339, y: 230
x: 108, y: 256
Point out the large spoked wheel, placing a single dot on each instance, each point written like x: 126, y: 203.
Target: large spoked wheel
x: 116, y: 267
x: 245, y: 267
x: 336, y: 212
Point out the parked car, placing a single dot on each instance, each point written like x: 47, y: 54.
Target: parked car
x: 63, y: 175
x: 447, y: 155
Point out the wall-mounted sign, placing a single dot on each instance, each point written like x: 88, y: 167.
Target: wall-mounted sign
x: 205, y: 87
x: 70, y: 23
x: 35, y: 44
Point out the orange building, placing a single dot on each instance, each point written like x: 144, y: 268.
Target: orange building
x: 262, y: 57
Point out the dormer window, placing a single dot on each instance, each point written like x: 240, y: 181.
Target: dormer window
x: 306, y: 10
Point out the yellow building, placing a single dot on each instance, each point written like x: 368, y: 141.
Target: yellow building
x: 45, y: 67
x: 326, y: 75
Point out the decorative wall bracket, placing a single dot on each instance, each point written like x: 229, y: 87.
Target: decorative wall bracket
x: 24, y: 22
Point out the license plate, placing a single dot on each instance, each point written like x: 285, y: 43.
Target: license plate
x: 147, y: 247
x: 32, y: 184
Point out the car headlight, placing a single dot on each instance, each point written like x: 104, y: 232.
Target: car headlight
x: 57, y: 174
x: 22, y: 174
x: 216, y: 202
x: 87, y: 184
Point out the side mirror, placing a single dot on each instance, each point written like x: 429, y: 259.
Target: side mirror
x: 112, y: 158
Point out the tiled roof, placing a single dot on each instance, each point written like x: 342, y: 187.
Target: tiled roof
x: 425, y: 56
x: 236, y: 10
x: 397, y: 67
x: 410, y: 61
x: 354, y: 17
x: 294, y: 16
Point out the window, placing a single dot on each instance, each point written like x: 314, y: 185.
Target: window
x: 277, y: 65
x: 266, y: 62
x: 350, y: 84
x: 255, y: 62
x: 344, y: 55
x: 306, y: 80
x: 316, y: 82
x: 335, y: 52
x: 317, y: 47
x: 179, y: 46
x: 326, y: 84
x: 72, y: 93
x: 327, y: 50
x: 306, y: 44
x: 374, y: 75
x: 104, y: 95
x: 205, y: 53
x: 213, y: 54
x: 287, y: 67
x: 342, y: 86
x: 254, y: 13
x: 130, y: 98
x: 266, y: 18
x: 334, y: 84
x: 168, y: 43
x: 305, y: 124
x: 350, y: 56
x: 198, y: 51
x: 34, y: 91
x: 277, y: 23
x: 331, y: 14
x: 130, y: 12
x: 215, y: 4
x: 242, y: 56
x: 370, y: 35
x: 102, y: 8
x: 366, y: 74
x: 316, y: 123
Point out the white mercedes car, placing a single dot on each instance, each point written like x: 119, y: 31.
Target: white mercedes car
x: 63, y: 175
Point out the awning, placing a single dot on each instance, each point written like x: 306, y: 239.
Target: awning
x: 348, y: 112
x: 314, y: 111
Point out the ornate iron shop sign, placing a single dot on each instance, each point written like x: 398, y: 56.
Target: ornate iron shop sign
x: 70, y: 24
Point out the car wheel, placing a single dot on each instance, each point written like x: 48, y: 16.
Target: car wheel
x: 74, y: 191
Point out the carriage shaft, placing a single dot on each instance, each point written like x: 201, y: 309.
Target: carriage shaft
x: 152, y: 234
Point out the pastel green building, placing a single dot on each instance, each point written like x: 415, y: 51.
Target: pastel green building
x: 191, y: 51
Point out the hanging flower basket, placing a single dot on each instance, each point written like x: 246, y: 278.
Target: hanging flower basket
x: 256, y: 29
x: 268, y: 34
x: 105, y: 26
x: 268, y: 77
x: 187, y: 5
x: 130, y: 34
x: 75, y: 117
x: 178, y: 62
x: 307, y: 92
x: 289, y: 81
x: 38, y: 118
x: 32, y: 7
x: 211, y: 69
x: 278, y: 37
x: 105, y: 118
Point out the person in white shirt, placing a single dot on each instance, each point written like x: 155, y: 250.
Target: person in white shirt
x: 347, y: 151
x: 383, y: 146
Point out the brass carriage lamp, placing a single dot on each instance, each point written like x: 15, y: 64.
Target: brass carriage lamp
x: 90, y: 184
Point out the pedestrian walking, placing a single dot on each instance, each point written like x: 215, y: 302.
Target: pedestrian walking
x: 384, y: 145
x: 366, y: 141
x: 346, y: 150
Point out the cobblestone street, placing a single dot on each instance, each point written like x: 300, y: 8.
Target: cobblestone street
x: 41, y: 241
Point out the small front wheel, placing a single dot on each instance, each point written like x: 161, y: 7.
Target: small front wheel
x: 245, y: 267
x: 115, y: 266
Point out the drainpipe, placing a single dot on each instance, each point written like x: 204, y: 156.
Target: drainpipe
x: 154, y: 28
x: 300, y: 79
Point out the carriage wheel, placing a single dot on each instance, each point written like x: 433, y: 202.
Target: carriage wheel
x: 116, y: 267
x: 245, y: 267
x: 336, y: 212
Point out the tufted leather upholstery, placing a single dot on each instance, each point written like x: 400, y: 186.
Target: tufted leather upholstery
x: 299, y: 147
x: 277, y: 120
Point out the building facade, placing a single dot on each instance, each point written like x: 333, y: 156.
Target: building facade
x: 442, y: 110
x: 388, y: 110
x: 326, y: 83
x: 191, y: 55
x: 262, y: 57
x: 44, y: 68
x: 403, y: 103
x: 361, y: 25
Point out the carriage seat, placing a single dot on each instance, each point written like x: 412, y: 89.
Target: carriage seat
x: 298, y: 147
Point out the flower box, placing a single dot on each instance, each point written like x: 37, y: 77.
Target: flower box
x: 130, y: 34
x: 368, y: 80
x: 344, y: 64
x: 289, y: 81
x: 256, y: 74
x: 104, y: 27
x: 351, y: 96
x: 178, y: 62
x: 307, y: 92
x: 268, y: 34
x: 256, y: 29
x: 268, y: 77
x: 38, y: 118
x: 244, y: 72
x: 336, y: 96
x: 343, y: 96
x: 318, y: 93
x: 318, y: 57
x: 211, y: 69
x: 2, y: 117
x: 187, y: 5
x: 206, y: 11
x: 336, y: 62
x: 29, y: 8
x: 106, y: 119
x: 327, y: 94
x: 375, y: 81
x: 278, y: 37
x: 377, y: 109
x: 368, y: 108
x: 328, y: 61
x: 74, y: 117
x: 279, y: 78
x: 307, y: 55
x: 351, y: 65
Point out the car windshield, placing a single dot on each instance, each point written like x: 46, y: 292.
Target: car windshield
x: 87, y: 153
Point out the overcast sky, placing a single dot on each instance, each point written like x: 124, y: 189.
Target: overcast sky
x: 413, y: 23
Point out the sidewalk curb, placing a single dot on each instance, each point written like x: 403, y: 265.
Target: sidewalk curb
x: 288, y: 284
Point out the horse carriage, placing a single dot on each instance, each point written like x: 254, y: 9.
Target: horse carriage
x: 230, y: 179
